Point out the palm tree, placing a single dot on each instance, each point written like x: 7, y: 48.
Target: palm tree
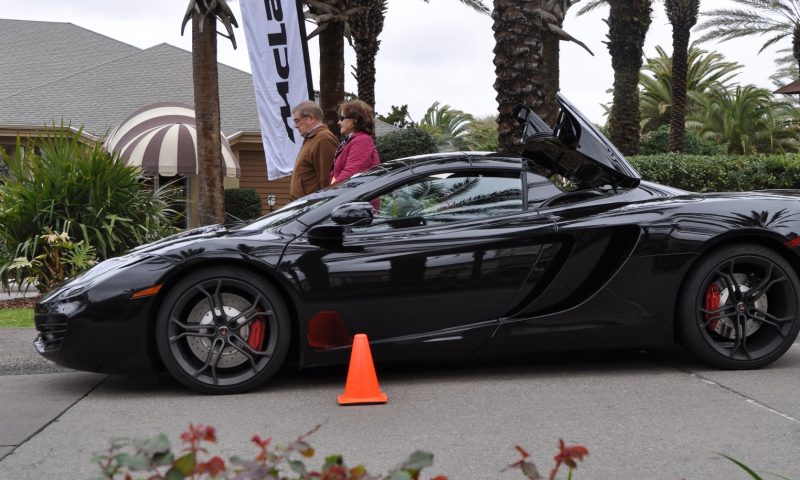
x: 332, y: 18
x: 747, y: 120
x: 628, y: 22
x: 787, y: 71
x: 682, y: 15
x: 551, y: 23
x: 526, y: 60
x: 778, y: 19
x: 482, y: 135
x: 361, y: 22
x: 366, y: 26
x: 448, y: 126
x: 704, y: 71
x: 203, y: 15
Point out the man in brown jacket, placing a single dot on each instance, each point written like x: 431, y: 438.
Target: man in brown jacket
x: 314, y: 160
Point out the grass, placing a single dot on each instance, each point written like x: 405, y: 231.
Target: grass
x: 16, y: 318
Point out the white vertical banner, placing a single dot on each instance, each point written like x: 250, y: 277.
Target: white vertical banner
x: 276, y: 44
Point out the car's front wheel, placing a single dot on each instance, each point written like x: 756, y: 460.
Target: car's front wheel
x: 222, y: 330
x: 739, y: 307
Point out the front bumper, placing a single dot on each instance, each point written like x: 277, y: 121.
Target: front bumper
x: 97, y: 333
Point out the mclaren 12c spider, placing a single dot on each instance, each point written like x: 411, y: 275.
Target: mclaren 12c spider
x: 561, y: 247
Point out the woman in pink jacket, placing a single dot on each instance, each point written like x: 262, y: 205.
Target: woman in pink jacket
x: 357, y: 151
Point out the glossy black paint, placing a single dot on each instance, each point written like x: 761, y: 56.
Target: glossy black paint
x: 601, y: 272
x: 600, y: 267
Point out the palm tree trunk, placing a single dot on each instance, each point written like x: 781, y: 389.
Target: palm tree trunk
x: 366, y: 26
x: 796, y: 46
x: 682, y: 14
x: 550, y: 73
x: 518, y: 66
x: 331, y: 73
x: 628, y: 22
x: 211, y: 204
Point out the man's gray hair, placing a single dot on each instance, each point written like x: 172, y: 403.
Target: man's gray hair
x: 308, y: 108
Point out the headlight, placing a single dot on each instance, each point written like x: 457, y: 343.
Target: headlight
x: 83, y: 281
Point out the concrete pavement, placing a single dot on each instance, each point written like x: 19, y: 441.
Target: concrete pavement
x: 642, y: 415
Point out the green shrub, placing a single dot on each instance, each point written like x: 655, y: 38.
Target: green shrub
x: 405, y: 142
x: 657, y: 141
x: 720, y: 173
x: 80, y: 191
x: 242, y: 203
x: 61, y: 258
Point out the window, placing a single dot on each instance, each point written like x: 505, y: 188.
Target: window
x: 449, y: 197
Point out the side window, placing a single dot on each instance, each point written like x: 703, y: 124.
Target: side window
x: 448, y: 197
x: 540, y: 190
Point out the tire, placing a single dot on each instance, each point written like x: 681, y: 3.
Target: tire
x: 739, y: 306
x: 232, y: 352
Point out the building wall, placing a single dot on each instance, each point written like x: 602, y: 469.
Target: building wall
x: 254, y: 175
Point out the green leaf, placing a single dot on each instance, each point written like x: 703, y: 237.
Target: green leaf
x: 298, y: 467
x: 744, y: 467
x: 174, y: 474
x: 530, y: 471
x: 187, y: 463
x: 332, y: 460
x: 136, y: 462
x: 162, y: 459
x: 157, y: 444
x: 418, y: 460
x: 400, y: 475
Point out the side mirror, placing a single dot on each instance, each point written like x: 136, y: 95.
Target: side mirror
x: 354, y: 214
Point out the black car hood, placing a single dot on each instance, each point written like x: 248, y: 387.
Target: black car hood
x: 191, y: 235
x: 575, y: 149
x: 194, y: 238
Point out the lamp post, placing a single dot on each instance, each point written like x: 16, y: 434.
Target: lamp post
x: 271, y: 201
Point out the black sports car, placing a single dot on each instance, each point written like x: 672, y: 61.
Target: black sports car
x: 458, y: 254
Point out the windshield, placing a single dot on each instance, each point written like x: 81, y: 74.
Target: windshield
x: 286, y: 213
x: 308, y: 203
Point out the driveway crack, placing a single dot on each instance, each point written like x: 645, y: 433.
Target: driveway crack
x: 746, y: 398
x: 54, y: 419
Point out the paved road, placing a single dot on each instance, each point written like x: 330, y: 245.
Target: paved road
x: 642, y: 415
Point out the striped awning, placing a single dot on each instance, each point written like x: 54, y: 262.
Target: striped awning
x: 162, y: 139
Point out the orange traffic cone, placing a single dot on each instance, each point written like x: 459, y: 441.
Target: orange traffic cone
x: 362, y: 382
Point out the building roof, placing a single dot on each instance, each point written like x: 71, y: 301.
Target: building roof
x: 67, y: 73
x: 793, y: 87
x: 37, y: 53
x: 85, y: 78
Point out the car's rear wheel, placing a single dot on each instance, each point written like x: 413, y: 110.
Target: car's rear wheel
x: 739, y: 307
x: 222, y: 330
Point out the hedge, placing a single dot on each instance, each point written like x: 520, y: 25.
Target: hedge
x: 720, y: 173
x: 242, y: 203
x: 405, y: 142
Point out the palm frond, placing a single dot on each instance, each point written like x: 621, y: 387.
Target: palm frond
x: 591, y: 6
x: 476, y: 5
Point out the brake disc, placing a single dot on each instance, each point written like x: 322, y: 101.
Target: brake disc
x: 726, y: 326
x: 201, y: 314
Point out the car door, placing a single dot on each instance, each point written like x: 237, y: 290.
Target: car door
x: 440, y: 262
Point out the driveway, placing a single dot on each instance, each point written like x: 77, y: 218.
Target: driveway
x: 654, y: 415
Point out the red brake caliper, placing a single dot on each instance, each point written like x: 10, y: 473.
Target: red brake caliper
x: 257, y: 330
x: 712, y: 304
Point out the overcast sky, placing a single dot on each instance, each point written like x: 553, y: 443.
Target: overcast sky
x: 441, y: 51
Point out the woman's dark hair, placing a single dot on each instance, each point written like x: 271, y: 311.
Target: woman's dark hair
x: 361, y: 113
